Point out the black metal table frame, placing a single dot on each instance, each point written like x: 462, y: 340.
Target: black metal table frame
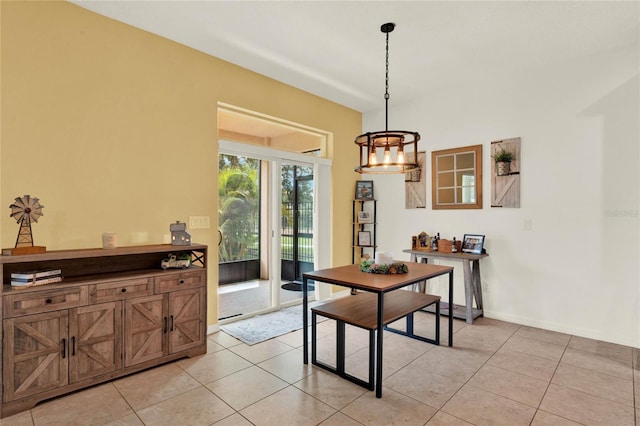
x: 379, y: 341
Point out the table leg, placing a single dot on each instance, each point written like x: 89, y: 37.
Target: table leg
x: 450, y: 308
x: 477, y: 284
x: 422, y: 285
x: 305, y: 332
x: 468, y: 290
x: 379, y: 346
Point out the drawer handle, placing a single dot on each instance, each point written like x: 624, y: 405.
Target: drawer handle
x: 124, y: 290
x: 181, y: 281
x: 64, y: 348
x: 165, y: 325
x: 171, y: 323
x: 73, y: 346
x: 48, y: 301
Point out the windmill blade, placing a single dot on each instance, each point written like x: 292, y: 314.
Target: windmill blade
x: 35, y: 203
x: 17, y: 211
x: 18, y: 202
x: 35, y: 215
x: 27, y: 200
x: 17, y: 216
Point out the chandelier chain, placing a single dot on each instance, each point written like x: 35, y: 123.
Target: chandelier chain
x: 386, y: 87
x: 386, y: 81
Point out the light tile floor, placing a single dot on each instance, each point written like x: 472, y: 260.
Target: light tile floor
x: 497, y: 373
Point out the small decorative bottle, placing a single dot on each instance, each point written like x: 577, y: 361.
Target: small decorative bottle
x: 454, y: 247
x: 434, y: 243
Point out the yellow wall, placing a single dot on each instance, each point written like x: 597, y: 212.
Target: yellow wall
x: 114, y: 129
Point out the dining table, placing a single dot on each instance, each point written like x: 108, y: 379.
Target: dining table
x: 352, y: 277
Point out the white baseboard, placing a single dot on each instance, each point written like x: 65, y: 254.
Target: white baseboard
x: 563, y: 328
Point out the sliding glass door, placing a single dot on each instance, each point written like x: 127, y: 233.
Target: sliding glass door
x: 268, y: 220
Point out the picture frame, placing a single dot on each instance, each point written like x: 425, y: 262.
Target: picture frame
x: 365, y: 217
x: 364, y: 238
x: 364, y: 190
x: 472, y: 243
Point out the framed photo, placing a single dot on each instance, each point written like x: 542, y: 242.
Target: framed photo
x: 364, y: 238
x: 472, y: 243
x: 364, y: 190
x: 365, y: 217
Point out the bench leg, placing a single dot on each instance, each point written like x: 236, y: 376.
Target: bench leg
x: 314, y: 335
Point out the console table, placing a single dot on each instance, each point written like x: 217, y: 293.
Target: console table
x: 116, y: 312
x: 379, y: 284
x: 472, y: 281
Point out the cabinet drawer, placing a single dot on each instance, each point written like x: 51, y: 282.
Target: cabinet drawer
x: 44, y: 301
x: 120, y: 290
x: 170, y: 282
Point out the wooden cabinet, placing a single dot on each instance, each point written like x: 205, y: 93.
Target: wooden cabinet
x: 116, y: 312
x: 33, y: 354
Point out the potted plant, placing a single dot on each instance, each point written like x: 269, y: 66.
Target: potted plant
x: 503, y: 159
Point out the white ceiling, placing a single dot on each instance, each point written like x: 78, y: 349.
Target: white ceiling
x: 335, y: 49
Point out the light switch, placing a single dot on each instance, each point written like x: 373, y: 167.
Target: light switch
x: 199, y: 222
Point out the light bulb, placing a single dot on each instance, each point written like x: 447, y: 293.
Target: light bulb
x: 373, y: 158
x: 400, y: 156
x: 386, y: 160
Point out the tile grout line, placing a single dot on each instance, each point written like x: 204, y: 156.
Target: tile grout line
x: 555, y: 370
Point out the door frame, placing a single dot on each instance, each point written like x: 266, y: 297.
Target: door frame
x: 321, y: 206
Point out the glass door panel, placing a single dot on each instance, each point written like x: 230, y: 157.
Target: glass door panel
x: 297, y: 228
x: 240, y: 187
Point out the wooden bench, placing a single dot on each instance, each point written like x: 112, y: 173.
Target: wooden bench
x: 361, y: 310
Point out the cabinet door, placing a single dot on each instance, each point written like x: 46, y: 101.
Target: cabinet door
x: 187, y: 310
x: 35, y: 354
x: 145, y: 328
x: 95, y: 337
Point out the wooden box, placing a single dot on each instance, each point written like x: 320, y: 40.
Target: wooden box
x: 445, y: 246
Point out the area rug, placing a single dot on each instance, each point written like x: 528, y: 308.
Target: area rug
x: 267, y: 326
x: 296, y: 286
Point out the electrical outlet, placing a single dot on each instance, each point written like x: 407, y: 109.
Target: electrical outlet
x: 199, y: 222
x: 526, y: 225
x: 485, y: 286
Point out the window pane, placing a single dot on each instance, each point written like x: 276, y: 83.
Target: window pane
x: 445, y: 179
x: 445, y: 162
x: 465, y: 161
x: 446, y: 196
x: 465, y: 178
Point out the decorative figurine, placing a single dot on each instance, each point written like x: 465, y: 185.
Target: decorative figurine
x: 181, y: 261
x: 25, y: 210
x: 179, y: 234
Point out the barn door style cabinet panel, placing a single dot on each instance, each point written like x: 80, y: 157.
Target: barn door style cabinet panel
x: 116, y: 312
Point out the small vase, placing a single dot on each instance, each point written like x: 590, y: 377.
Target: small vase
x: 503, y: 168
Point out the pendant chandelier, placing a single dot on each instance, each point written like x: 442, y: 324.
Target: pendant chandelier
x: 390, y: 143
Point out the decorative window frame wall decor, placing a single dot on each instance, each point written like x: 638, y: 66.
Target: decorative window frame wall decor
x: 456, y: 178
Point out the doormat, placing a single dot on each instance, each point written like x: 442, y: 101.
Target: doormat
x: 267, y: 326
x: 296, y: 286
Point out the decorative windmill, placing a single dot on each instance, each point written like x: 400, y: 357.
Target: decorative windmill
x: 26, y: 210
